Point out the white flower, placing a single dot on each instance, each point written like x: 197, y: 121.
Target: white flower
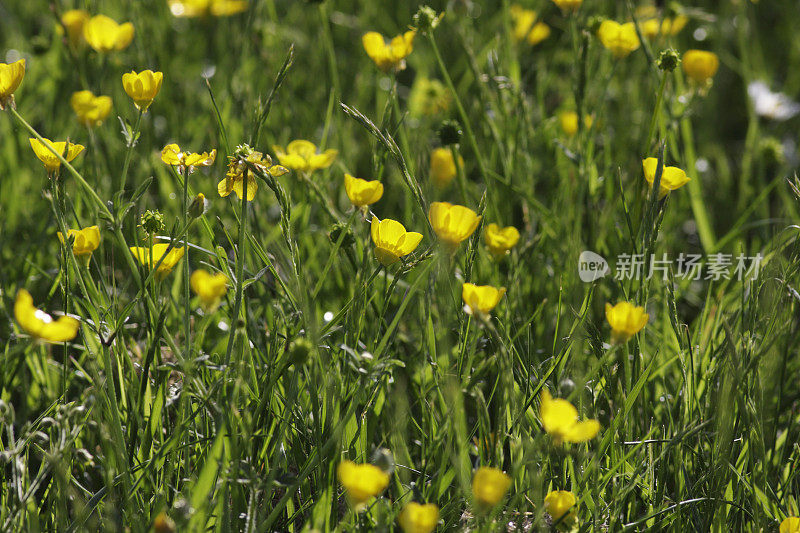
x: 776, y: 106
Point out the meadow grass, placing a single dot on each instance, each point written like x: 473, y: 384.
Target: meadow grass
x: 163, y: 414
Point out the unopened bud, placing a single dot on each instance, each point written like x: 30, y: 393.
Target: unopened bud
x: 198, y: 206
x: 668, y: 60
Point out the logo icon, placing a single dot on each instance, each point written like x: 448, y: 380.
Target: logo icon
x: 592, y: 266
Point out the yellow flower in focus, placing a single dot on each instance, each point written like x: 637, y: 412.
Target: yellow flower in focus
x: 443, y: 167
x: 388, y: 55
x: 204, y: 8
x: 142, y: 87
x: 91, y: 110
x: 11, y: 75
x: 489, y: 485
x: 361, y: 482
x: 39, y: 324
x: 172, y: 155
x: 73, y: 21
x: 626, y: 320
x: 234, y: 178
x: 302, y: 156
x: 672, y: 178
x: 568, y: 6
x: 558, y: 503
x: 700, y: 65
x: 500, y: 240
x: 392, y: 241
x: 51, y: 162
x: 170, y: 259
x: 419, y: 518
x: 362, y: 192
x: 560, y: 421
x: 790, y: 525
x: 526, y: 28
x: 85, y: 241
x: 569, y: 122
x: 481, y: 299
x: 209, y: 287
x: 452, y: 223
x: 620, y: 39
x: 104, y: 34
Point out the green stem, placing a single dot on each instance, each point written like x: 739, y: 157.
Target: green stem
x: 131, y: 143
x: 237, y: 306
x: 186, y: 294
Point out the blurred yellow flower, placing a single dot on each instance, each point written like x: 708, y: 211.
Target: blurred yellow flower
x: 142, y: 87
x: 569, y: 122
x: 73, y: 21
x: 39, y: 324
x: 85, y: 242
x: 481, y: 299
x: 362, y: 192
x: 104, y: 34
x: 443, y: 167
x: 489, y: 485
x: 428, y: 97
x: 234, y: 178
x: 626, y: 320
x: 388, y: 55
x: 172, y: 155
x: 526, y: 28
x: 392, y: 241
x: 171, y: 258
x: 51, y: 162
x: 652, y: 28
x: 568, y: 6
x: 361, y: 482
x: 91, y: 110
x: 302, y: 156
x: 560, y: 421
x: 620, y: 39
x: 672, y: 178
x: 419, y: 518
x: 11, y: 75
x: 209, y: 287
x: 452, y: 223
x: 558, y: 503
x: 500, y: 240
x: 204, y: 8
x: 790, y: 525
x: 700, y: 65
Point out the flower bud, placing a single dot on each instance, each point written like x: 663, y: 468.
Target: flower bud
x: 668, y: 60
x: 449, y: 132
x: 198, y: 206
x: 152, y: 222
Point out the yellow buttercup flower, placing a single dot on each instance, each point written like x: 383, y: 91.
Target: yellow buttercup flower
x: 302, y: 156
x: 234, y: 178
x: 700, y: 65
x: 419, y: 518
x: 172, y: 155
x: 91, y: 110
x: 568, y: 6
x: 790, y: 525
x: 171, y: 258
x: 392, y: 241
x: 209, y: 287
x: 672, y: 178
x: 481, y: 299
x: 620, y: 39
x: 526, y: 28
x: 73, y: 21
x: 652, y: 28
x: 428, y: 97
x: 104, y: 34
x: 626, y: 320
x: 361, y: 482
x: 568, y: 120
x: 85, y: 241
x: 443, y: 167
x: 560, y: 421
x: 39, y: 324
x: 362, y: 192
x: 389, y: 55
x: 559, y: 503
x: 500, y: 240
x: 51, y: 162
x: 452, y: 223
x: 205, y: 8
x: 142, y: 87
x: 489, y: 485
x: 11, y: 75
